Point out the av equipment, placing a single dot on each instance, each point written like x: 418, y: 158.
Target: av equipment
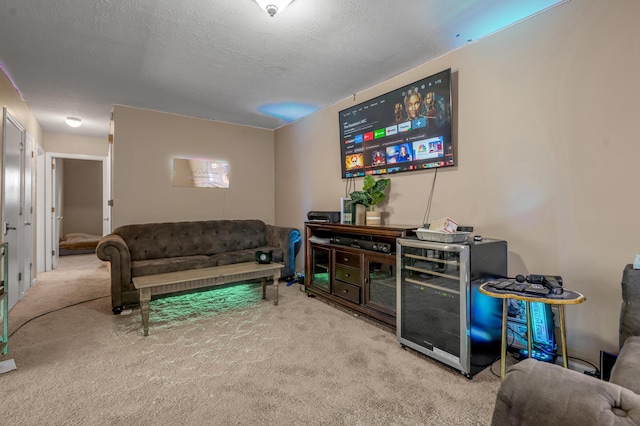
x: 344, y: 241
x: 264, y: 256
x: 362, y: 244
x: 440, y: 310
x: 543, y: 344
x: 607, y: 360
x: 326, y: 217
x: 375, y: 246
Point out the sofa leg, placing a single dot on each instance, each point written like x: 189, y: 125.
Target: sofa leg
x: 117, y: 310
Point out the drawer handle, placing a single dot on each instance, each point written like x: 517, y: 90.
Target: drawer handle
x: 345, y: 291
x: 347, y: 275
x: 346, y: 259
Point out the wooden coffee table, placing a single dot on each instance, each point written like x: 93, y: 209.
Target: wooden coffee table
x: 191, y: 279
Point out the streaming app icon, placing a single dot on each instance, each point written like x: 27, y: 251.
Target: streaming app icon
x: 380, y: 133
x: 368, y: 136
x: 392, y: 130
x: 404, y: 127
x: 419, y: 122
x: 358, y: 138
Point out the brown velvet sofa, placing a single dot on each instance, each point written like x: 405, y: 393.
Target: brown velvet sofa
x: 155, y: 248
x: 538, y: 393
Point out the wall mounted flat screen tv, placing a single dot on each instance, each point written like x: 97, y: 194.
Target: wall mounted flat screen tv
x: 407, y: 129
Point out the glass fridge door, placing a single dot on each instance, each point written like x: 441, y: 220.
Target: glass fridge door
x: 432, y: 309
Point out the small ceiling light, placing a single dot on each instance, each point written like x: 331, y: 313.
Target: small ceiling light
x: 273, y: 6
x: 73, y: 121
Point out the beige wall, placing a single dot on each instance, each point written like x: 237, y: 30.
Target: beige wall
x: 145, y: 142
x: 68, y: 143
x: 547, y: 125
x: 82, y: 197
x: 10, y: 98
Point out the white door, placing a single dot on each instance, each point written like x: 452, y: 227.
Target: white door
x: 106, y: 192
x: 56, y: 214
x: 41, y: 215
x: 11, y: 216
x: 27, y: 214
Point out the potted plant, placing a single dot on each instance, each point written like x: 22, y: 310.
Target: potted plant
x: 373, y: 193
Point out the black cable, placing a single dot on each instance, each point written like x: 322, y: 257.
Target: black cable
x: 509, y: 344
x: 586, y: 362
x: 425, y: 218
x: 542, y: 349
x: 492, y: 364
x: 55, y: 310
x: 349, y: 187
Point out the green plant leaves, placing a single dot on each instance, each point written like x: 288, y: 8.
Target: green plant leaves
x: 373, y: 192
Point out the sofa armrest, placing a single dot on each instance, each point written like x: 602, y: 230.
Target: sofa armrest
x: 626, y: 370
x: 288, y: 239
x: 112, y: 248
x: 538, y: 393
x: 630, y: 309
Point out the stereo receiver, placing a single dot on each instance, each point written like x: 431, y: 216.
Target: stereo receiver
x: 362, y: 244
x: 326, y: 217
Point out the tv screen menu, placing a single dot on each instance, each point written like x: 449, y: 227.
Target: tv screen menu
x: 403, y: 130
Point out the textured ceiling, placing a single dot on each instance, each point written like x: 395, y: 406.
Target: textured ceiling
x: 225, y: 60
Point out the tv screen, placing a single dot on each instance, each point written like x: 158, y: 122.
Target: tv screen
x: 404, y: 130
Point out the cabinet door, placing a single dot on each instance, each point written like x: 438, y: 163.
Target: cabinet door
x: 431, y: 299
x: 320, y: 268
x: 380, y: 284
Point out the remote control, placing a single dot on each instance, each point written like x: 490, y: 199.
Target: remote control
x: 537, y: 289
x: 501, y: 285
x: 517, y: 287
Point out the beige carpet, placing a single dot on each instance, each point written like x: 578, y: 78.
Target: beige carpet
x: 222, y: 357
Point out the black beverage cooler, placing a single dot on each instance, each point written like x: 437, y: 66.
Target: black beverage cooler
x: 440, y: 311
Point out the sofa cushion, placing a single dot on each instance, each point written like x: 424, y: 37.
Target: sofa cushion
x: 179, y: 239
x: 626, y: 370
x: 141, y: 268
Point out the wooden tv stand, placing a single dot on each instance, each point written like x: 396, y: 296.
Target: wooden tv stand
x: 354, y: 266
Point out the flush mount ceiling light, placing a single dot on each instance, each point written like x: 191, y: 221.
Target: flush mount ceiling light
x: 73, y: 121
x: 273, y: 6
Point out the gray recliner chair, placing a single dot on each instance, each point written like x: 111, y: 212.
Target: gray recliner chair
x: 539, y: 393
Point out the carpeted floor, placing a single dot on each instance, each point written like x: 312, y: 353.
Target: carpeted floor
x: 221, y: 357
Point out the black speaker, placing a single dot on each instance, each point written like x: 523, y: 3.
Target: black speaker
x: 263, y: 256
x: 607, y: 360
x: 375, y: 246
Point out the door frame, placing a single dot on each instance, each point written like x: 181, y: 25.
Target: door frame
x: 40, y: 209
x: 28, y: 213
x: 15, y: 260
x: 50, y: 245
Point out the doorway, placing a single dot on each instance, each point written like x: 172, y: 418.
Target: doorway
x: 54, y: 187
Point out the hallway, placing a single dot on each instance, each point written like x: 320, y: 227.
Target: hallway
x: 77, y: 279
